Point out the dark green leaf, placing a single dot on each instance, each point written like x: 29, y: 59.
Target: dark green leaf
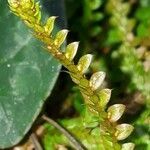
x: 27, y: 76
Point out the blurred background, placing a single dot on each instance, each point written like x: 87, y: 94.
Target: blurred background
x: 117, y: 33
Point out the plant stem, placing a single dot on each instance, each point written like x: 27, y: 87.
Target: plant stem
x: 73, y: 141
x: 35, y: 142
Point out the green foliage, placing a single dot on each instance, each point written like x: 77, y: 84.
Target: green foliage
x: 131, y: 64
x: 127, y: 51
x: 91, y: 16
x: 27, y: 77
x: 144, y: 3
x: 143, y: 16
x: 95, y: 97
x: 114, y: 36
x: 142, y: 131
x: 52, y: 142
x: 119, y: 32
x: 127, y: 65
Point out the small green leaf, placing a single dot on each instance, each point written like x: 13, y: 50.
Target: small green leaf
x: 123, y: 131
x: 60, y: 37
x: 94, y: 4
x: 49, y: 24
x: 143, y: 13
x: 104, y: 96
x: 115, y: 112
x: 84, y: 63
x: 114, y: 36
x: 96, y: 80
x: 71, y: 50
x: 128, y: 146
x: 143, y: 29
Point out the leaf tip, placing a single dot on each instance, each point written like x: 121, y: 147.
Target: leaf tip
x: 123, y: 131
x: 96, y: 80
x: 115, y: 112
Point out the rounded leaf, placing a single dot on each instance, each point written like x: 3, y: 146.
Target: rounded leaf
x: 128, y: 146
x: 71, y: 50
x: 60, y: 37
x: 123, y: 131
x: 84, y: 63
x: 104, y: 96
x: 115, y: 112
x: 49, y: 24
x: 96, y: 80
